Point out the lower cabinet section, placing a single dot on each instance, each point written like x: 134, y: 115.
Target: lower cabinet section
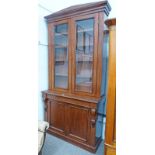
x: 73, y: 120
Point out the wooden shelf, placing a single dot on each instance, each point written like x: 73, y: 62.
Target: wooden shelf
x: 83, y: 77
x: 61, y: 61
x: 60, y: 34
x: 61, y: 74
x: 84, y: 58
x: 85, y: 45
x: 61, y: 46
x: 84, y: 55
x: 85, y: 83
x: 78, y: 76
x: 84, y: 61
x: 85, y: 30
x: 84, y: 86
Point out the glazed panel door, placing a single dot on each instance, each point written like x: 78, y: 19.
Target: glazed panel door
x: 59, y: 53
x: 84, y: 52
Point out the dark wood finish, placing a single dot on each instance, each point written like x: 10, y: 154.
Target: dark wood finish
x: 95, y: 16
x: 111, y: 22
x: 110, y: 133
x: 72, y: 119
x: 78, y: 122
x: 57, y: 119
x: 73, y: 114
x: 85, y: 9
x: 100, y: 49
x: 52, y: 57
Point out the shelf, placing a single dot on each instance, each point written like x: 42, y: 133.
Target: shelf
x: 83, y: 77
x: 61, y: 74
x: 66, y: 61
x: 84, y: 58
x: 84, y: 86
x: 84, y: 55
x: 84, y: 61
x: 82, y: 51
x: 61, y: 46
x: 85, y: 46
x: 90, y: 61
x: 64, y: 34
x: 85, y: 30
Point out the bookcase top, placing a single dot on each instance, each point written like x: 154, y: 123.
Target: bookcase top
x: 101, y: 6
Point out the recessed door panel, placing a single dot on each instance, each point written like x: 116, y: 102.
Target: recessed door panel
x: 78, y: 122
x: 57, y: 113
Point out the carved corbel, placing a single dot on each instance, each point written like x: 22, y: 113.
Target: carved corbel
x: 44, y: 96
x: 45, y: 106
x: 93, y: 117
x: 45, y: 100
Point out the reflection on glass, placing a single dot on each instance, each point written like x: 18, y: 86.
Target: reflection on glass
x: 84, y: 54
x: 61, y: 56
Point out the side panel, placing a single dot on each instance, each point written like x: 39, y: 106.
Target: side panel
x: 110, y: 132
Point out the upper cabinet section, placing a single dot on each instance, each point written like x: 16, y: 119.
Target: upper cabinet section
x: 75, y: 49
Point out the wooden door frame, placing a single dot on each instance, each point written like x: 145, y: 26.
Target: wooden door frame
x: 51, y: 56
x: 73, y: 47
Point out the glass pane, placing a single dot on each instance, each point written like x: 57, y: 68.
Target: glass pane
x: 61, y: 56
x: 84, y: 54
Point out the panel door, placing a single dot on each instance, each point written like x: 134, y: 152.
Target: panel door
x: 84, y: 52
x: 78, y: 122
x: 59, y: 56
x: 57, y: 116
